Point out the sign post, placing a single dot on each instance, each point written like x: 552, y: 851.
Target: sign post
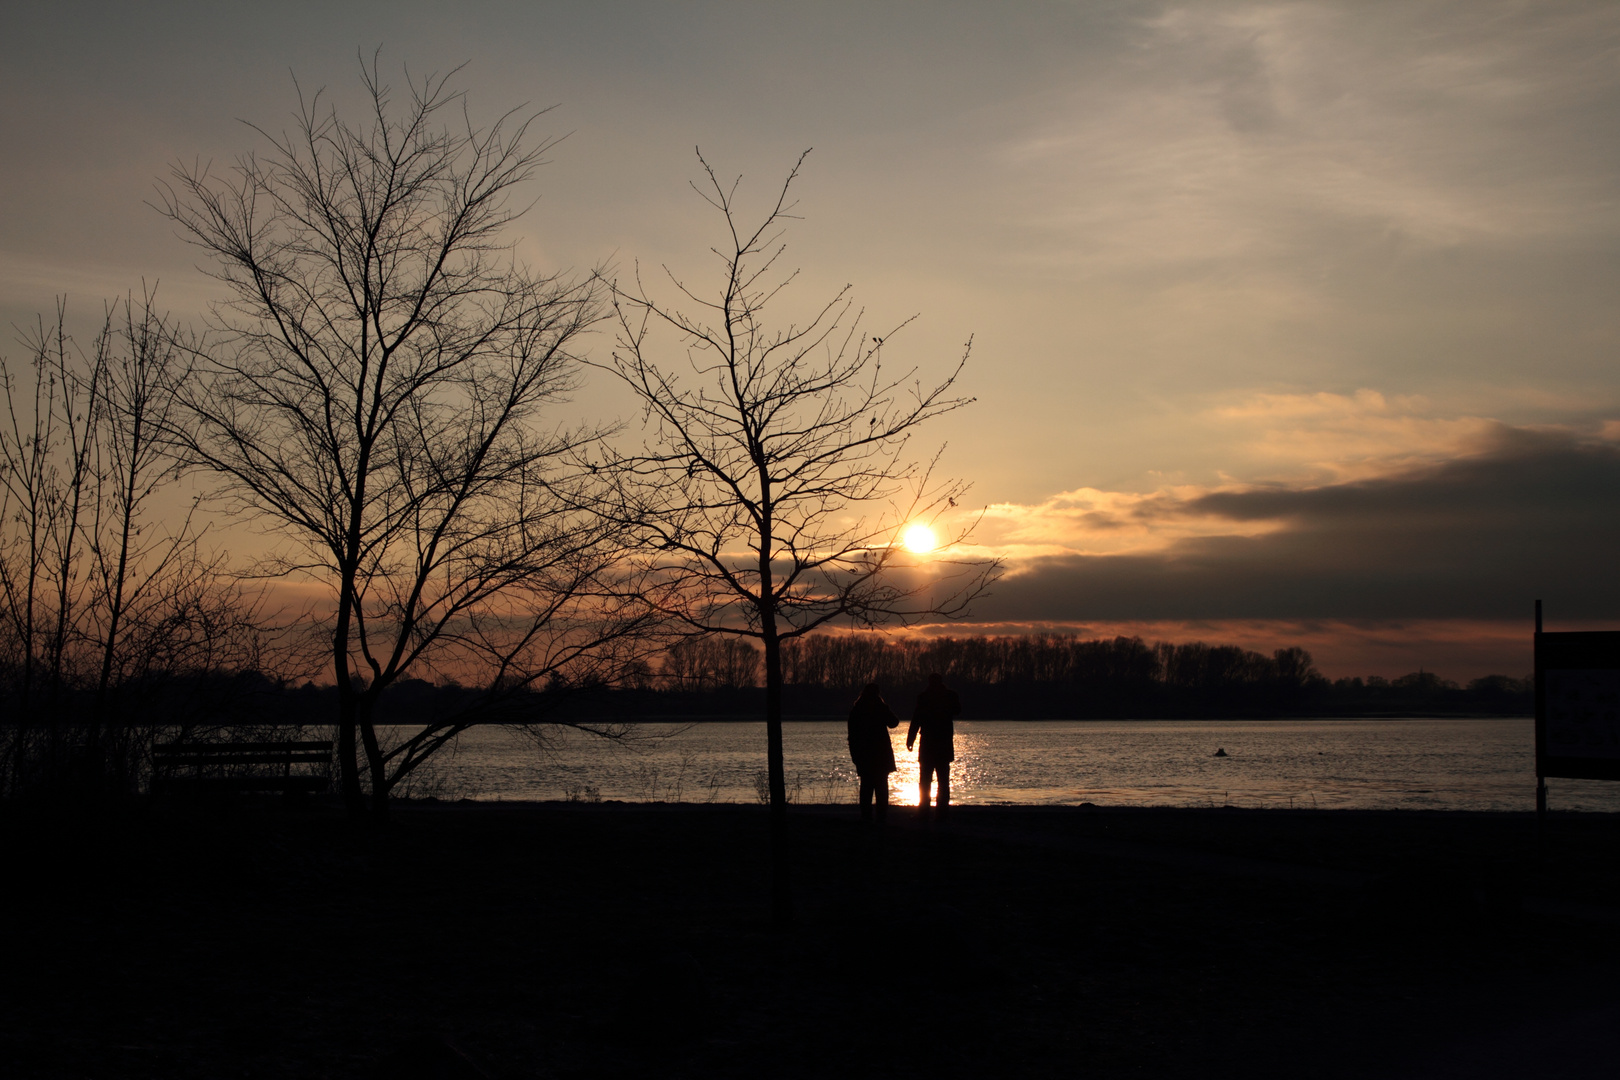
x: 1539, y: 690
x: 1577, y: 707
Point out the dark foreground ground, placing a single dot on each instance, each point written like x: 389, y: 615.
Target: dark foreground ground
x: 604, y: 941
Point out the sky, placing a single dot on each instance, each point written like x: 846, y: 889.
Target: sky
x: 1292, y: 323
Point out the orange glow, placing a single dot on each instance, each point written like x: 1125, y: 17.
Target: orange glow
x: 919, y: 538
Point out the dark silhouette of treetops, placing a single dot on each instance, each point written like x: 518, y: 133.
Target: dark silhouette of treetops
x: 378, y: 386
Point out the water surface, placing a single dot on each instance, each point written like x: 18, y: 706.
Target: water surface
x: 1330, y: 764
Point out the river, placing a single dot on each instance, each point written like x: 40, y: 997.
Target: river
x: 1419, y: 764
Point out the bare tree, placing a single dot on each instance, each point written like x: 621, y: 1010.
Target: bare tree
x: 101, y: 590
x: 27, y: 500
x: 374, y: 386
x: 159, y: 603
x: 776, y: 482
x: 45, y: 482
x: 132, y: 562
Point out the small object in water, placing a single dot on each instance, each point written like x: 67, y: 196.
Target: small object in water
x: 1220, y: 751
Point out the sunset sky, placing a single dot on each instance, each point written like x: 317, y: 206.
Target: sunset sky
x: 1293, y: 323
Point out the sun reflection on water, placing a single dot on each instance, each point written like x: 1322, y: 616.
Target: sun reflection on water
x: 967, y: 771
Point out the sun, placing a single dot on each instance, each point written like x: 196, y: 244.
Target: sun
x: 919, y: 538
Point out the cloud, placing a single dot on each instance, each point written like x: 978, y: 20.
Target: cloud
x: 1261, y: 130
x: 1295, y: 440
x: 1351, y: 436
x: 1533, y: 514
x: 1088, y: 521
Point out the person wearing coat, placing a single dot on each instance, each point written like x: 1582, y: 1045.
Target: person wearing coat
x: 933, y: 721
x: 870, y: 750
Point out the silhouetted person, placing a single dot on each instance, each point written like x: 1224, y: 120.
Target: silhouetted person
x: 932, y: 719
x: 869, y: 748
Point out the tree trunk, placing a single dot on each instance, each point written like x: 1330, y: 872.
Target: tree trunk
x: 348, y: 700
x: 781, y: 881
x: 348, y: 707
x: 374, y: 758
x: 348, y: 761
x: 115, y: 602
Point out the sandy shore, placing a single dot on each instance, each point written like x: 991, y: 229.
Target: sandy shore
x: 565, y: 940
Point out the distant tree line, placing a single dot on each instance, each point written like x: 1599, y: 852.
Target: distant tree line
x: 1056, y: 676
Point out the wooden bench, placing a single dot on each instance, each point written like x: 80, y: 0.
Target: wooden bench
x: 242, y: 766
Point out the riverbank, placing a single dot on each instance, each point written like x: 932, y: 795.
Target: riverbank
x: 839, y: 717
x: 568, y: 940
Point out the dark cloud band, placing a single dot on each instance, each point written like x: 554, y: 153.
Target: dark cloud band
x: 1537, y: 515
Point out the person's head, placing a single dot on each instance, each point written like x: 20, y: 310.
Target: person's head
x: 869, y: 692
x: 936, y: 679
